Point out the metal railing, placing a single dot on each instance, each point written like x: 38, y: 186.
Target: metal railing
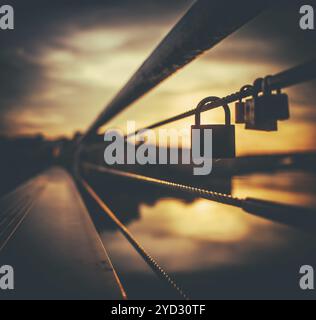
x: 207, y: 19
x: 299, y: 74
x: 210, y: 21
x: 294, y: 216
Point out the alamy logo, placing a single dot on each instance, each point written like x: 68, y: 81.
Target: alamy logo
x: 6, y: 17
x: 6, y: 278
x: 307, y: 279
x: 141, y: 148
x: 307, y: 18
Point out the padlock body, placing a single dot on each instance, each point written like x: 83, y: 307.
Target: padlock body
x: 278, y: 105
x: 223, y: 140
x: 268, y: 125
x: 262, y: 112
x: 240, y: 112
x: 284, y: 109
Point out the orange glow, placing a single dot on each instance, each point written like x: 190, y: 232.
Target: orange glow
x: 92, y: 65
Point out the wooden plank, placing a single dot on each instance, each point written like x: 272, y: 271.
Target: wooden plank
x: 55, y: 250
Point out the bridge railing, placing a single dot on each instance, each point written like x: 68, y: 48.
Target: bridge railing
x: 204, y: 25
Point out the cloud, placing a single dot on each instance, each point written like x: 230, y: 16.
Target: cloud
x: 47, y: 27
x: 70, y: 58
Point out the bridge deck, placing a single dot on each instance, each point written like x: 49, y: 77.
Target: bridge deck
x: 47, y: 236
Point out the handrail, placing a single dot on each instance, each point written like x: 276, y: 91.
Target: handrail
x: 204, y: 25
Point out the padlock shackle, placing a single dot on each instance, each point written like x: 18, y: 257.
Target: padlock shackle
x: 266, y: 89
x: 257, y: 86
x: 265, y: 85
x: 202, y: 103
x: 244, y: 88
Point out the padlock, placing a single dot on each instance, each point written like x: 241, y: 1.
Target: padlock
x: 278, y: 102
x: 263, y: 111
x: 223, y: 135
x: 255, y: 116
x: 240, y: 106
x: 281, y: 103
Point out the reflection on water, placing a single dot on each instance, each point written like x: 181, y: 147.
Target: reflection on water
x: 214, y: 250
x: 296, y: 188
x: 198, y: 235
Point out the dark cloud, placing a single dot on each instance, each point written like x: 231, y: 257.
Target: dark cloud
x: 272, y: 38
x: 38, y: 21
x: 41, y: 23
x: 18, y: 79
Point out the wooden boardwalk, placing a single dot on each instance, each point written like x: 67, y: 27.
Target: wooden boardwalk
x: 47, y: 236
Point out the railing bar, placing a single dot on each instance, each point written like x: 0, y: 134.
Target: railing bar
x: 138, y: 247
x: 210, y: 195
x: 294, y: 216
x: 302, y: 73
x: 204, y: 25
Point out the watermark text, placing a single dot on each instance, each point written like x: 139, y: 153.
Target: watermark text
x: 148, y: 147
x: 307, y: 278
x: 307, y: 17
x: 6, y: 17
x: 6, y: 278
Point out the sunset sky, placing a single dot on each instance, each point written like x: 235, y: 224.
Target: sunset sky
x: 66, y: 60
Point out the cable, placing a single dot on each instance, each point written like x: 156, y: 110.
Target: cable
x: 298, y: 74
x: 210, y: 195
x: 204, y: 25
x: 294, y: 216
x: 139, y: 248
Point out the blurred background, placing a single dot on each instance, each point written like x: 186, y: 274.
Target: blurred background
x: 66, y: 59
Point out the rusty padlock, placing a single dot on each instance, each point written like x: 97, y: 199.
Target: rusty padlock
x: 240, y: 106
x: 223, y: 135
